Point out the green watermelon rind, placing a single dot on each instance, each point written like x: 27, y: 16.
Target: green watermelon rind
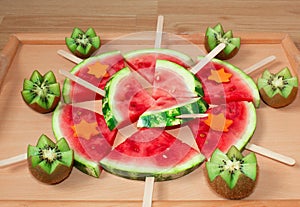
x: 66, y: 90
x: 167, y: 116
x: 111, y: 117
x: 252, y: 85
x: 190, y: 79
x: 250, y: 128
x: 179, y: 55
x: 86, y: 166
x: 136, y: 173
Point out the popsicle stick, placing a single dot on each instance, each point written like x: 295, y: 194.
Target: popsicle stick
x: 148, y: 191
x: 82, y: 82
x: 191, y: 116
x: 159, y: 29
x: 270, y: 154
x: 69, y: 56
x: 13, y: 160
x: 208, y: 58
x: 260, y: 64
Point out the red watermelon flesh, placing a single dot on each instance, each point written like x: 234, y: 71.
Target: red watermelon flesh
x: 149, y: 152
x: 145, y: 63
x: 240, y: 87
x: 242, y: 115
x: 109, y: 63
x: 86, y: 131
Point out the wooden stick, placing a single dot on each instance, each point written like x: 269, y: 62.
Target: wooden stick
x: 270, y: 154
x: 159, y: 29
x: 13, y: 160
x: 191, y: 116
x: 148, y: 191
x: 69, y: 56
x: 260, y: 64
x: 195, y: 69
x: 82, y: 82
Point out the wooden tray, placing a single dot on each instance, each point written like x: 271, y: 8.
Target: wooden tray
x: 277, y: 129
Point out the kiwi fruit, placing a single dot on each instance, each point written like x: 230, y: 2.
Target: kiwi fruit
x: 83, y: 44
x: 50, y: 162
x: 216, y: 35
x: 41, y: 93
x: 232, y: 175
x: 279, y: 89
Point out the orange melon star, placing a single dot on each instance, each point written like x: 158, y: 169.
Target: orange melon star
x: 97, y: 69
x: 85, y: 129
x: 218, y: 122
x: 220, y: 76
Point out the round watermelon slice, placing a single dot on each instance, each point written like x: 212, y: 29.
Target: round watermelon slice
x: 96, y: 70
x: 154, y: 153
x: 223, y: 82
x: 144, y: 61
x: 86, y: 133
x: 228, y: 124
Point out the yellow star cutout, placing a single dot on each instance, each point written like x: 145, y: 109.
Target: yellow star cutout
x: 85, y: 130
x: 97, y: 69
x: 218, y: 122
x: 220, y: 76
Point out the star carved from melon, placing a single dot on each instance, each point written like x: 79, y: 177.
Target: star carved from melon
x: 220, y: 76
x: 218, y: 122
x: 85, y: 129
x: 97, y: 69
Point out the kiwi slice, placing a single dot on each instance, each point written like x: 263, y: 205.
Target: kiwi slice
x: 278, y: 90
x: 216, y: 35
x: 41, y: 93
x: 83, y: 44
x: 50, y: 162
x: 232, y: 175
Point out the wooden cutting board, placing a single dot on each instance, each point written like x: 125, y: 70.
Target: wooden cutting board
x: 277, y: 129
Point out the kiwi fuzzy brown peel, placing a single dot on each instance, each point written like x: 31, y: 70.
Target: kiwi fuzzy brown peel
x: 41, y: 93
x: 50, y: 162
x: 278, y: 90
x: 216, y: 35
x: 232, y: 175
x: 83, y: 44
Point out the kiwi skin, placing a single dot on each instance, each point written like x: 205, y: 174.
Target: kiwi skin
x: 244, y: 187
x: 278, y: 101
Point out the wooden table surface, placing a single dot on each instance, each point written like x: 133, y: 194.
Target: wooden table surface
x: 136, y: 15
x: 129, y: 16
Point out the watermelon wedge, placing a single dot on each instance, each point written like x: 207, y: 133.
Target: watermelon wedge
x: 96, y: 70
x: 144, y: 60
x: 125, y: 99
x: 229, y: 124
x: 86, y: 133
x: 152, y: 152
x: 223, y: 82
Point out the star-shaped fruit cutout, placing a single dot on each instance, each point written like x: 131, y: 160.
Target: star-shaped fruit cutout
x: 220, y: 76
x: 97, y: 69
x: 85, y: 129
x: 218, y: 122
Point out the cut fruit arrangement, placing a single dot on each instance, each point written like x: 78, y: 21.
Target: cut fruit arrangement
x: 148, y: 90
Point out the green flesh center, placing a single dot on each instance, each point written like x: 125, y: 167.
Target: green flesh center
x: 82, y: 40
x: 277, y: 82
x: 231, y: 166
x: 42, y: 90
x: 50, y: 154
x: 221, y: 39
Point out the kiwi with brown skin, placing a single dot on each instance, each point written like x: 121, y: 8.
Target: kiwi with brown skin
x: 232, y: 175
x: 278, y: 90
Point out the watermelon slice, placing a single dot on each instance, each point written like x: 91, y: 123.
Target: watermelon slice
x: 144, y: 60
x: 86, y: 133
x: 152, y: 152
x: 95, y: 70
x: 175, y: 80
x: 159, y: 115
x: 125, y: 99
x: 223, y: 82
x: 228, y: 124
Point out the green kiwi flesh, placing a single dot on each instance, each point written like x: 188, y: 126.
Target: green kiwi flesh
x: 278, y: 90
x: 50, y: 162
x: 41, y: 93
x: 216, y: 35
x: 83, y: 44
x: 232, y: 175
